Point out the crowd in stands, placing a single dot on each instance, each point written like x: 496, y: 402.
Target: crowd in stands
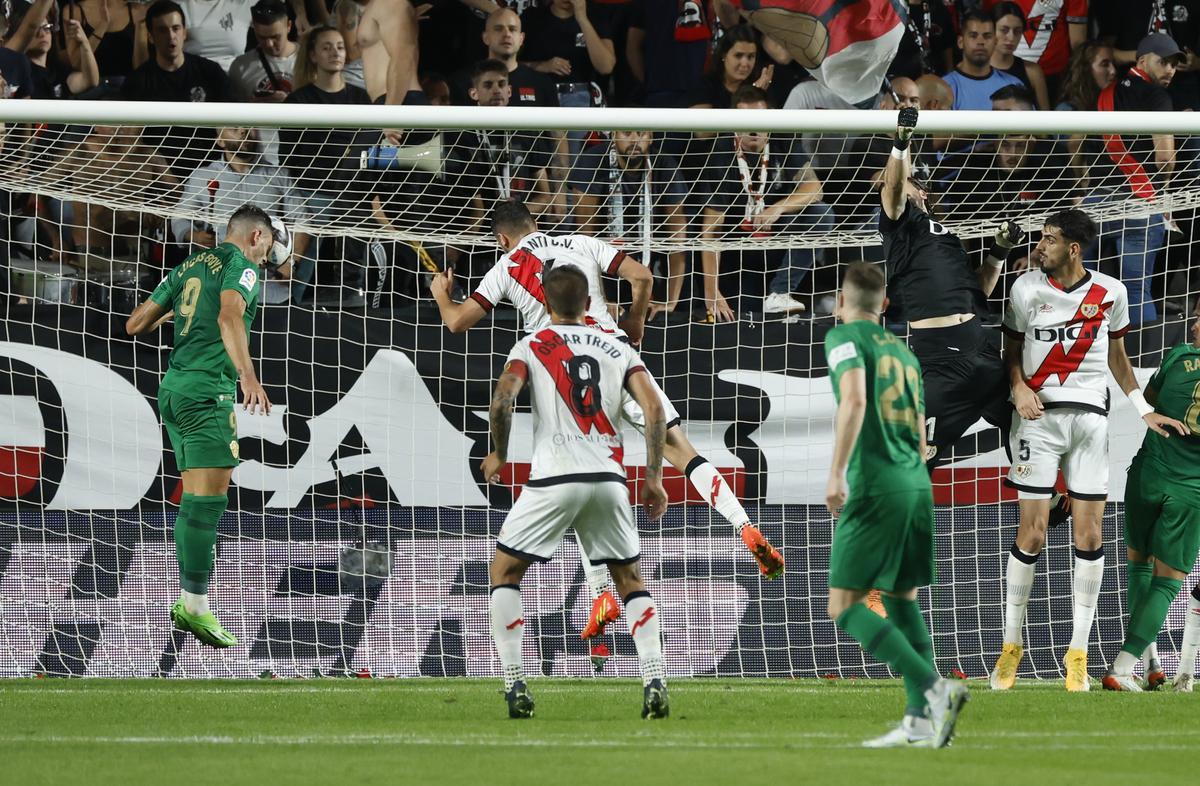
x: 639, y: 189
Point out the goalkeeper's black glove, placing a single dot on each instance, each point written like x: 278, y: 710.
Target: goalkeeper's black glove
x: 1007, y: 237
x: 905, y: 126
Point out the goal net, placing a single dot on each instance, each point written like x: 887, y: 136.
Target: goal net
x: 359, y: 529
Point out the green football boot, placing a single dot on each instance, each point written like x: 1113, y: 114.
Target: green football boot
x: 205, y: 627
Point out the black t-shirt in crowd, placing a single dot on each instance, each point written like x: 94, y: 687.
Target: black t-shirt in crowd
x: 321, y: 159
x: 529, y: 88
x: 547, y: 36
x: 711, y: 91
x: 672, y: 66
x: 928, y: 35
x: 50, y: 80
x: 1132, y: 93
x: 727, y: 189
x: 490, y: 164
x: 928, y: 271
x: 17, y: 72
x: 1126, y: 23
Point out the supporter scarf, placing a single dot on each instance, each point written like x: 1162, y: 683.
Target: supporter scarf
x: 755, y: 197
x: 616, y: 198
x: 500, y: 160
x: 692, y: 23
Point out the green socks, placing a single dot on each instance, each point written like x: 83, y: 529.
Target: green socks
x: 906, y: 615
x: 195, y: 537
x: 884, y: 641
x: 1139, y: 574
x: 1147, y: 619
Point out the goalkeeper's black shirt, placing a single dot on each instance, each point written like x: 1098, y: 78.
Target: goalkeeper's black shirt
x: 928, y: 271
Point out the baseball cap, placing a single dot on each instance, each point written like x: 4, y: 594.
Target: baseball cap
x: 1160, y: 44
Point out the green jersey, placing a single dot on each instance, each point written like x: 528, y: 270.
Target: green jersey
x: 1177, y: 385
x: 887, y: 457
x: 200, y: 367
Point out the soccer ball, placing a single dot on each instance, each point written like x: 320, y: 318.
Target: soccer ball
x: 804, y: 35
x: 281, y: 246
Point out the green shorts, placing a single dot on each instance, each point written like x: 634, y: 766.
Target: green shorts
x: 884, y: 543
x: 203, y: 432
x: 1162, y: 517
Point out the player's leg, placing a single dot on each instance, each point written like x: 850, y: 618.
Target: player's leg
x: 508, y: 629
x: 1143, y: 507
x: 609, y: 532
x: 1144, y: 625
x: 1190, y: 646
x: 604, y: 605
x: 1085, y: 469
x: 1039, y: 444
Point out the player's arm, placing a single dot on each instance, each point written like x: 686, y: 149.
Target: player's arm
x: 895, y: 174
x: 146, y: 318
x: 847, y: 424
x: 654, y: 497
x: 232, y: 324
x: 641, y: 282
x: 1007, y: 236
x: 1026, y: 401
x: 1122, y: 371
x: 459, y: 317
x: 500, y: 416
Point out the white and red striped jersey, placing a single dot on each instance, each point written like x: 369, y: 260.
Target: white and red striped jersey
x: 517, y: 277
x: 1046, y: 40
x: 577, y: 376
x: 1065, y: 334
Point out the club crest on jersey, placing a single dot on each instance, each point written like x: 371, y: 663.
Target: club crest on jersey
x: 1089, y: 310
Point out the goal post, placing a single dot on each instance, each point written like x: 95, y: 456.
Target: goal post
x: 359, y: 530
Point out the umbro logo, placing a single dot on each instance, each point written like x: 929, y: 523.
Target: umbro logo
x: 1045, y: 308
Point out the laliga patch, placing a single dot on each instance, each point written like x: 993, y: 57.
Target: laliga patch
x: 248, y: 280
x: 841, y: 353
x: 930, y: 452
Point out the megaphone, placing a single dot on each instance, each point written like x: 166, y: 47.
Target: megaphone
x: 425, y: 157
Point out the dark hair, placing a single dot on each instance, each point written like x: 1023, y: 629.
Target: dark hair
x: 268, y: 12
x: 1001, y: 10
x: 511, y: 214
x: 1018, y: 93
x: 162, y: 8
x: 566, y: 291
x: 249, y: 217
x: 1078, y: 85
x: 489, y: 66
x: 1076, y: 227
x: 750, y: 94
x: 739, y: 34
x: 868, y: 282
x: 976, y: 15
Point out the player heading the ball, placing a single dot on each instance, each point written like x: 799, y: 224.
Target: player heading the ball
x: 1064, y: 331
x: 884, y: 536
x: 213, y: 297
x: 577, y: 378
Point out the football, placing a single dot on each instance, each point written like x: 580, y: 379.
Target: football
x: 281, y: 247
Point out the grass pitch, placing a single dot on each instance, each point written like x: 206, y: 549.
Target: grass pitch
x: 360, y: 732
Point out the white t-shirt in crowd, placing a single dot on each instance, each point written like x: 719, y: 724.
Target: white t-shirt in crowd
x: 217, y: 29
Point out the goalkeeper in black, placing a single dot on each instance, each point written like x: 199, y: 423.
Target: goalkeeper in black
x: 941, y: 294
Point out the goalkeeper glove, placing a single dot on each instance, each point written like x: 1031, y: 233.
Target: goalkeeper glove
x: 905, y: 126
x: 1007, y: 236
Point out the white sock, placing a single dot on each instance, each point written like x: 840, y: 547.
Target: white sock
x: 716, y: 491
x: 508, y: 628
x: 1124, y: 663
x: 195, y: 603
x: 641, y: 615
x: 1019, y: 580
x: 596, y: 575
x: 1191, y: 637
x: 1150, y: 655
x: 1089, y: 572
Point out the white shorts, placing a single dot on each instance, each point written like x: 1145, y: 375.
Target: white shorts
x: 632, y: 411
x: 599, y: 512
x: 1074, y: 439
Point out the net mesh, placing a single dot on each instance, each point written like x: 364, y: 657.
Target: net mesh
x: 358, y: 533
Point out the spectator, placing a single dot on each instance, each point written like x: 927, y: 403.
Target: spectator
x: 14, y: 65
x: 754, y: 191
x: 974, y: 79
x: 52, y: 78
x: 346, y: 15
x: 629, y: 192
x: 1123, y: 25
x: 503, y: 37
x: 1010, y: 31
x: 1091, y: 70
x: 934, y: 93
x: 436, y: 88
x: 387, y: 36
x: 786, y: 73
x: 324, y: 163
x: 734, y: 64
x: 116, y: 34
x: 264, y: 74
x: 1059, y: 27
x: 667, y: 46
x: 572, y: 43
x: 1137, y: 166
x: 218, y: 29
x: 927, y: 46
x: 173, y: 75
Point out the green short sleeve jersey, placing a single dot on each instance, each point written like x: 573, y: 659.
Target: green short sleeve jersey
x: 199, y: 366
x: 1177, y: 384
x: 887, y: 457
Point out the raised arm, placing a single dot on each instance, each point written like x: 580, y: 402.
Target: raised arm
x: 87, y: 75
x: 34, y: 18
x: 895, y: 174
x: 654, y: 497
x: 1122, y: 371
x: 1007, y: 236
x: 459, y: 317
x: 232, y: 325
x: 600, y: 50
x: 641, y: 282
